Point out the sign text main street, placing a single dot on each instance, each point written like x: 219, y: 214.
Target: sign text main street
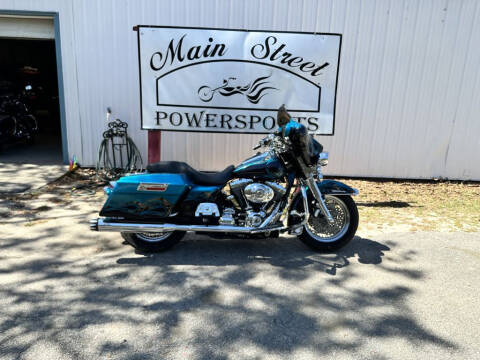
x: 234, y: 81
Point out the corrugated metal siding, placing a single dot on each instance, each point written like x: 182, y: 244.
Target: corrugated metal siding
x: 408, y: 95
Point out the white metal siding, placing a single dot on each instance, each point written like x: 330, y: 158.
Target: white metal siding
x: 408, y: 100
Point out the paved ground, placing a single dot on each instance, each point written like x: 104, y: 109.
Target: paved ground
x: 26, y: 167
x: 67, y: 293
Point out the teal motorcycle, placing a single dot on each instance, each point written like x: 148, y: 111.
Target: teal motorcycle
x: 279, y: 190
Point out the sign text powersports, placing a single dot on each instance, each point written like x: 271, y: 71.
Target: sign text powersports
x: 218, y: 80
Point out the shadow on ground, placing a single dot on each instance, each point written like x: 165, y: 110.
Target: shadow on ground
x: 206, y: 299
x: 392, y: 204
x: 287, y: 253
x: 24, y: 167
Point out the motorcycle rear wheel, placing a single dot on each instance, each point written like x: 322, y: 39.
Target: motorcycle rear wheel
x: 153, y: 242
x: 322, y: 236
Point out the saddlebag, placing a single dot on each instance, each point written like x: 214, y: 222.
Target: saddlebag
x: 145, y: 196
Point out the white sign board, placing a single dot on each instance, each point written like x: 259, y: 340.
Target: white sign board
x: 216, y: 80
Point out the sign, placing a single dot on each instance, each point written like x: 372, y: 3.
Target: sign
x: 218, y: 80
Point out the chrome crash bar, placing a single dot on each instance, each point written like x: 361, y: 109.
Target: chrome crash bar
x: 103, y: 224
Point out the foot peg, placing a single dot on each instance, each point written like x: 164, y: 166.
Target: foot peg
x: 296, y: 231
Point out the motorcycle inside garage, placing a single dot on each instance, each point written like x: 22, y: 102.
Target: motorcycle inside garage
x: 30, y: 122
x: 29, y: 89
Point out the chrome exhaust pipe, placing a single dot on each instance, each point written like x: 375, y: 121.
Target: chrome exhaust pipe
x: 93, y: 224
x: 101, y: 224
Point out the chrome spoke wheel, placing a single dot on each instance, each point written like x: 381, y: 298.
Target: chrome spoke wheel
x: 154, y: 237
x: 150, y: 242
x: 319, y: 228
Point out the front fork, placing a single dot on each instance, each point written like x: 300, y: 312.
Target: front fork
x: 312, y: 185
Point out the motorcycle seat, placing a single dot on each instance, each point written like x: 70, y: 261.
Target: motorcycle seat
x: 197, y: 177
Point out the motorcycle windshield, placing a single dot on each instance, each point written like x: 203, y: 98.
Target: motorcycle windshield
x: 303, y: 143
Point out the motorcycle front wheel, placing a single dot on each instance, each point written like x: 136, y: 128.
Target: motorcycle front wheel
x: 322, y: 235
x: 153, y: 242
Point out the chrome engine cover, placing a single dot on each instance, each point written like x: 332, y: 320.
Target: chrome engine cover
x: 227, y: 217
x: 207, y: 209
x: 254, y: 219
x: 258, y: 193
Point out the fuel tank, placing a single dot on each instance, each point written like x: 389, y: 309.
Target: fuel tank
x: 263, y: 166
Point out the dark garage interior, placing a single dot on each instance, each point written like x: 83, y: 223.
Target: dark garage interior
x: 28, y: 74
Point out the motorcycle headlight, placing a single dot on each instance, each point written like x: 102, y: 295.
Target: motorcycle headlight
x: 323, y: 159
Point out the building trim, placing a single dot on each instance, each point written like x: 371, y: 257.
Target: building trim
x: 58, y: 54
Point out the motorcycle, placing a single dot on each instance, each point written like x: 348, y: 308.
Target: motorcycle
x: 279, y: 190
x: 16, y: 121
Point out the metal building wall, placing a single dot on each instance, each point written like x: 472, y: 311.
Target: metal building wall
x: 408, y: 95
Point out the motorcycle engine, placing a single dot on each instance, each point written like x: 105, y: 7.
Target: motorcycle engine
x: 258, y: 193
x: 256, y: 199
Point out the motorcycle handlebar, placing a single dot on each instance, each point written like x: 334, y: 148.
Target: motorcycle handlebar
x: 261, y: 143
x: 266, y: 140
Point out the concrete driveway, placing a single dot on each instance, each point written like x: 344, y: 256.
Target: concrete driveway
x: 67, y: 293
x: 27, y: 167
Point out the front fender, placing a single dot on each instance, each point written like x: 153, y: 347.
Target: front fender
x: 327, y: 187
x: 332, y: 187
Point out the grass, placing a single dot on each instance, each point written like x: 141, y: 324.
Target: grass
x: 417, y: 206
